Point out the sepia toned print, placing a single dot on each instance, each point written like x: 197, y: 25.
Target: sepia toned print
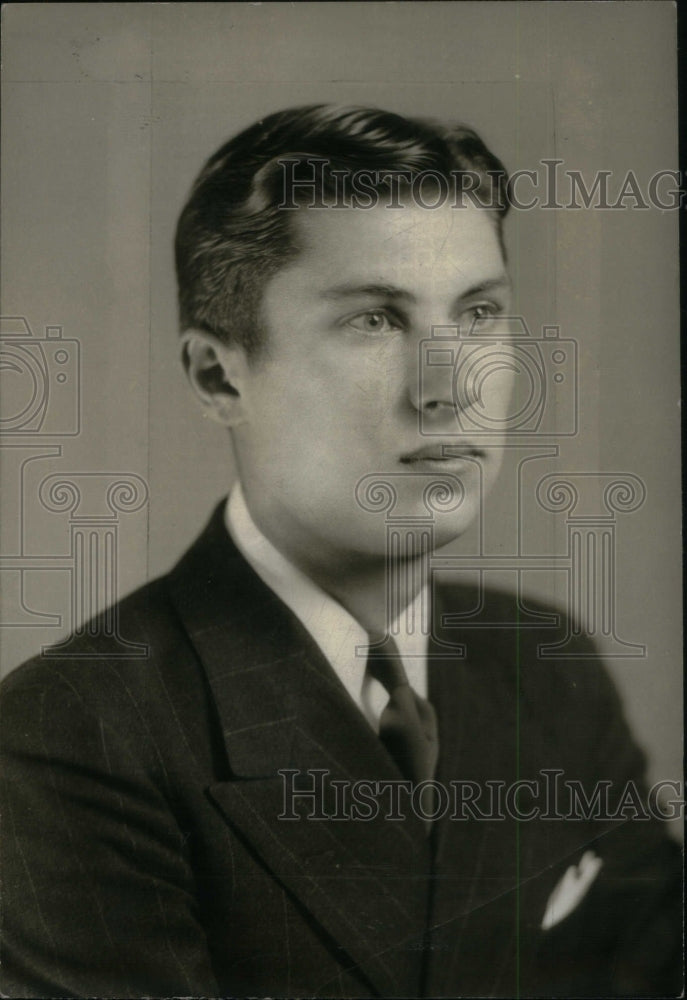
x: 403, y: 719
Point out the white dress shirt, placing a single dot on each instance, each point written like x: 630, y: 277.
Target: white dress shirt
x: 341, y: 638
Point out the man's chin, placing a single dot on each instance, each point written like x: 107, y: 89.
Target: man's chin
x: 447, y: 530
x: 408, y: 537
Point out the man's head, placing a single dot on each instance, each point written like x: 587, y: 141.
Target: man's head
x: 305, y: 308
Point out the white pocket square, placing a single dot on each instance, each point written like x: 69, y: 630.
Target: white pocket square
x: 571, y: 889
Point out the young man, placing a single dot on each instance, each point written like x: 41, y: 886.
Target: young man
x: 243, y: 812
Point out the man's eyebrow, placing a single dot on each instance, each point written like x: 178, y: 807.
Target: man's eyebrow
x: 489, y: 285
x: 383, y: 290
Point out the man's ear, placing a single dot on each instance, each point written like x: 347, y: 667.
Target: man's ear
x: 218, y: 373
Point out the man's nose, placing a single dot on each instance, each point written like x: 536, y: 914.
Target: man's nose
x: 437, y: 381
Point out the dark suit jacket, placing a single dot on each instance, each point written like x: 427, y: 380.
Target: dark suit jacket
x: 143, y: 854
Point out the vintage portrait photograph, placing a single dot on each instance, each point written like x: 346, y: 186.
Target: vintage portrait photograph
x: 340, y: 551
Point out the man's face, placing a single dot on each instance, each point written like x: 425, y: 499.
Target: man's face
x: 345, y: 391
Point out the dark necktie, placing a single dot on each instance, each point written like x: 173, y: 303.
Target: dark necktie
x: 408, y: 724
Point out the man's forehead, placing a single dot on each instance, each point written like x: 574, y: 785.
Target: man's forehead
x: 355, y: 248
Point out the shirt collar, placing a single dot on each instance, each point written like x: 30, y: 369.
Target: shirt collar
x: 341, y: 638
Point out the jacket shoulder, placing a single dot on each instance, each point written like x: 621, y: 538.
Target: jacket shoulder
x: 130, y: 630
x: 93, y: 681
x: 536, y: 646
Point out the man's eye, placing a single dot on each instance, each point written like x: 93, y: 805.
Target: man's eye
x: 483, y: 311
x: 373, y: 322
x: 481, y: 318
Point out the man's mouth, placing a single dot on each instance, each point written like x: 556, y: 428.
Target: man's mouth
x: 443, y: 454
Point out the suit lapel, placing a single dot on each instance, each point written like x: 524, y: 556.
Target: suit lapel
x: 281, y: 706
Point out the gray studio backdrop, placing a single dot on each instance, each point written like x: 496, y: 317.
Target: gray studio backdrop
x: 109, y: 110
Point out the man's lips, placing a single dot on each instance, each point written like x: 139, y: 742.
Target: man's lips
x: 448, y: 452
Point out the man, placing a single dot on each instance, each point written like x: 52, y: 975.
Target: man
x: 259, y: 807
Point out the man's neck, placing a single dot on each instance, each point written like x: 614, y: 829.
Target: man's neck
x: 374, y: 594
x: 371, y: 587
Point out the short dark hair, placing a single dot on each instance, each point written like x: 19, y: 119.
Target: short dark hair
x: 232, y: 235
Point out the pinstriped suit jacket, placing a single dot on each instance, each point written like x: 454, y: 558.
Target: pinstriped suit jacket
x: 143, y: 854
